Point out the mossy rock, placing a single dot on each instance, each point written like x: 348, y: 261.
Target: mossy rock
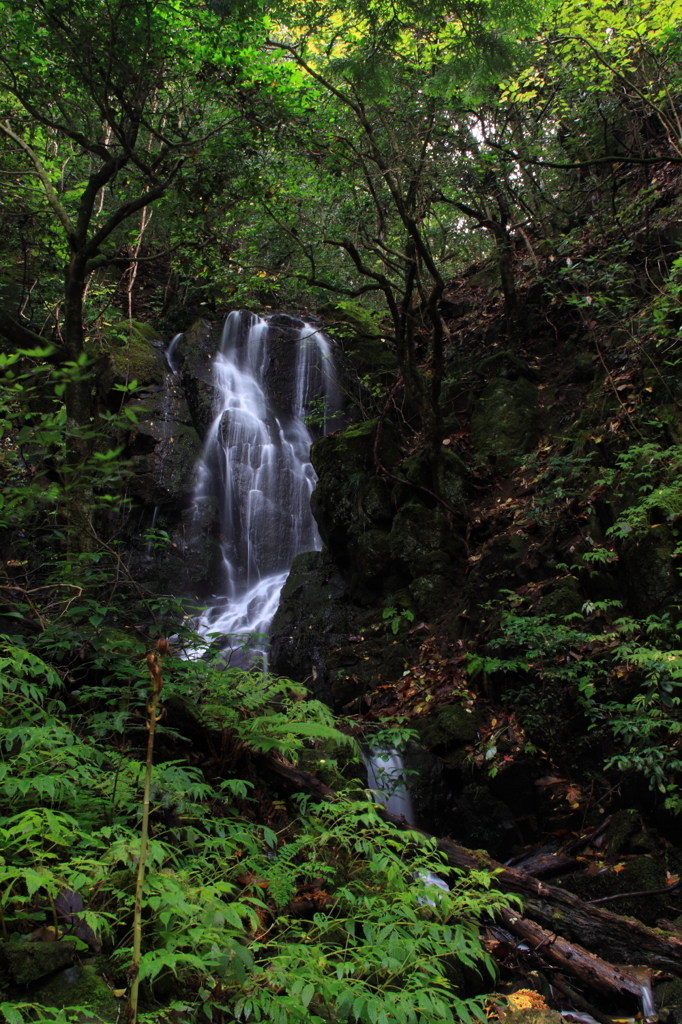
x: 79, y: 986
x: 419, y: 532
x: 652, y: 578
x: 370, y: 552
x: 446, y: 478
x: 432, y: 594
x: 623, y: 825
x: 130, y: 355
x: 24, y: 962
x: 360, y: 333
x: 641, y: 874
x: 564, y: 598
x: 583, y: 368
x: 504, y: 422
x: 506, y: 365
x: 344, y: 464
x: 447, y: 727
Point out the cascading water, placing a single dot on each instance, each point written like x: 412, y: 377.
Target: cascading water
x: 386, y: 779
x: 256, y: 463
x: 170, y: 353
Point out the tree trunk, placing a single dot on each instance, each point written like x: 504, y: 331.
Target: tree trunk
x: 78, y: 400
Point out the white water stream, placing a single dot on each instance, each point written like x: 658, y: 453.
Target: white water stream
x: 256, y: 463
x: 386, y: 779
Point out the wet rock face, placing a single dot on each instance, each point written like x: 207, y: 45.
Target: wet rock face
x: 349, y: 497
x: 385, y: 548
x: 165, y: 446
x: 384, y: 539
x: 194, y: 354
x: 315, y: 615
x: 504, y: 421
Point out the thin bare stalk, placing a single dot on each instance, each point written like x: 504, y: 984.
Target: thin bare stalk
x: 154, y: 664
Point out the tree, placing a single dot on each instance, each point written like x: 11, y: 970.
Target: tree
x: 395, y: 90
x: 108, y: 105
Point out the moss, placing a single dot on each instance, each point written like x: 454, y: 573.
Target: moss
x: 79, y: 986
x: 23, y: 963
x: 668, y: 998
x: 447, y: 478
x: 417, y: 532
x: 360, y: 333
x: 504, y: 422
x: 624, y: 824
x: 447, y: 727
x: 131, y: 354
x: 344, y: 464
x: 583, y: 368
x: 370, y: 553
x: 433, y: 594
x: 564, y: 598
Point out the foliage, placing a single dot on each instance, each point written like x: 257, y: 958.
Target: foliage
x: 220, y: 888
x: 393, y: 617
x: 622, y: 673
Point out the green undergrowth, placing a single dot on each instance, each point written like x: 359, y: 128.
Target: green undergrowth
x: 600, y: 678
x: 258, y: 904
x: 319, y: 915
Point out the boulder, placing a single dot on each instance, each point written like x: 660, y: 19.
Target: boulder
x: 651, y: 578
x: 504, y: 422
x: 25, y: 962
x: 313, y: 618
x: 421, y: 540
x: 349, y: 498
x: 80, y: 986
x: 448, y: 727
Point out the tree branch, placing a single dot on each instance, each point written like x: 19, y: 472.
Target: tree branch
x: 52, y: 199
x: 127, y: 210
x: 17, y: 333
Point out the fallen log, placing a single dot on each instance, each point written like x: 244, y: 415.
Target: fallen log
x: 545, y: 863
x: 569, y: 957
x: 621, y: 939
x: 548, y: 860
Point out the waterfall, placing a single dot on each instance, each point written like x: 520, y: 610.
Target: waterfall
x: 386, y: 779
x: 267, y: 375
x: 170, y: 354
